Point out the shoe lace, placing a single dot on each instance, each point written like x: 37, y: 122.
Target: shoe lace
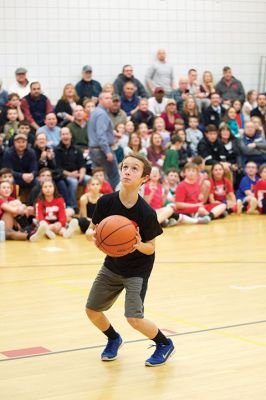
x: 158, y: 350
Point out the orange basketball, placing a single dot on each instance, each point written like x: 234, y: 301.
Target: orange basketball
x: 116, y: 236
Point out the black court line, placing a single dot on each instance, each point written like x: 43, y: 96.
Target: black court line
x: 135, y: 341
x: 157, y: 262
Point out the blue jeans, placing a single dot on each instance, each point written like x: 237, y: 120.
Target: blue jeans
x: 110, y: 167
x: 72, y: 184
x: 63, y: 190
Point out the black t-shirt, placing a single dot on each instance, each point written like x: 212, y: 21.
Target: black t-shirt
x: 136, y: 263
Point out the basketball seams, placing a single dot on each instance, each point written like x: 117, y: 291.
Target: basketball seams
x: 116, y: 233
x: 106, y: 222
x: 116, y: 230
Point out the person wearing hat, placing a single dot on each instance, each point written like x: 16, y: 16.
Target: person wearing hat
x: 170, y: 115
x: 22, y: 85
x: 88, y: 87
x: 21, y: 159
x: 127, y: 76
x: 158, y: 102
x: 117, y: 115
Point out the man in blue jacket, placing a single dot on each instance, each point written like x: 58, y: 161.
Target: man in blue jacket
x: 101, y: 139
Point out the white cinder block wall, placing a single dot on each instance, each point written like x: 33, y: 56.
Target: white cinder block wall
x: 53, y: 39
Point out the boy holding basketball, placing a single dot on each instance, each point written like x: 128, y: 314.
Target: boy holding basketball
x: 130, y: 272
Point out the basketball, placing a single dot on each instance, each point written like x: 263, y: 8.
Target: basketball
x: 116, y: 235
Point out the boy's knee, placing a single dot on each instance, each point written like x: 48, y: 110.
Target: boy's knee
x: 92, y: 314
x: 134, y: 322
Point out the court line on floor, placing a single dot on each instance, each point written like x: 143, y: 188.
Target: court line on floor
x: 143, y: 340
x: 157, y: 262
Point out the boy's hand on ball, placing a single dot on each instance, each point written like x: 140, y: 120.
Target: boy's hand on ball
x: 138, y: 241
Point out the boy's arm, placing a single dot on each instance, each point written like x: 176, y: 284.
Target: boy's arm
x: 147, y: 248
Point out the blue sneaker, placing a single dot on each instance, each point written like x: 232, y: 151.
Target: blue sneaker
x: 161, y: 354
x: 111, y: 349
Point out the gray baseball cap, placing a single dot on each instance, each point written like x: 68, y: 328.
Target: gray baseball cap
x: 21, y: 70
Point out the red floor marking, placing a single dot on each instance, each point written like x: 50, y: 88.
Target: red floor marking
x: 25, y: 352
x: 168, y: 331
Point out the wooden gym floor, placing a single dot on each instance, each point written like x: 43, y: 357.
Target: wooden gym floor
x: 207, y: 291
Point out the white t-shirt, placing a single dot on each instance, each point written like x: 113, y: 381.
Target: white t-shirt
x: 155, y: 107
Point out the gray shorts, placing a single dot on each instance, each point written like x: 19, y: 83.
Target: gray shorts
x: 108, y: 286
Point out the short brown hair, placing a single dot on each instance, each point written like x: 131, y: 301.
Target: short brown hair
x: 198, y: 160
x: 4, y: 171
x: 211, y: 128
x: 190, y: 165
x: 97, y: 169
x: 145, y: 162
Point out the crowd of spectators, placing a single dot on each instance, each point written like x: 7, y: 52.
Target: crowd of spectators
x: 195, y: 132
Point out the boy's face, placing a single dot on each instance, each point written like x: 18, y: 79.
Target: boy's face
x: 172, y: 178
x: 99, y: 175
x: 14, y: 102
x: 193, y: 123
x: 45, y: 176
x: 7, y: 178
x: 25, y: 129
x: 251, y: 169
x: 212, y: 136
x: 12, y: 115
x: 191, y: 174
x: 5, y: 189
x: 131, y: 173
x: 179, y: 126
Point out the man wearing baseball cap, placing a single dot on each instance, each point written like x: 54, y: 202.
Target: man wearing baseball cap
x: 158, y: 102
x: 88, y: 87
x: 117, y: 115
x: 22, y: 85
x: 21, y: 159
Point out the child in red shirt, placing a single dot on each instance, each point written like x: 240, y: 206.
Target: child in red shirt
x: 7, y: 175
x: 153, y: 190
x: 189, y: 199
x: 260, y: 190
x: 98, y: 173
x: 10, y: 210
x: 155, y: 195
x: 221, y: 189
x: 50, y: 211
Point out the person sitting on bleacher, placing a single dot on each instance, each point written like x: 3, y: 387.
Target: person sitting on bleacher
x: 21, y: 159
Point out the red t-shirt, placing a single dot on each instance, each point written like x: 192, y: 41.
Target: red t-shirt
x: 51, y: 211
x: 220, y: 189
x: 260, y: 191
x: 188, y: 192
x: 157, y: 199
x: 2, y: 201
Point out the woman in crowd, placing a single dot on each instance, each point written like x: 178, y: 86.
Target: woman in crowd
x: 66, y: 105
